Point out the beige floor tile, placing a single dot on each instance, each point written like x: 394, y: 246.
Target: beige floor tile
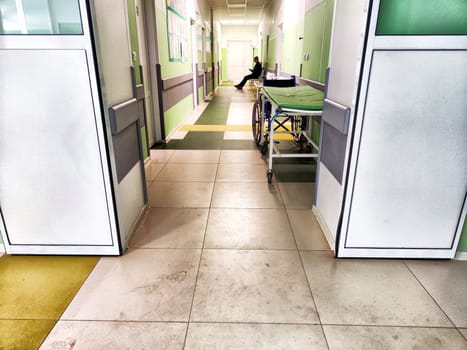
x: 178, y: 135
x: 249, y: 229
x: 152, y: 169
x: 243, y: 156
x: 242, y: 173
x: 142, y: 285
x: 297, y: 195
x: 240, y: 116
x: 160, y: 155
x: 171, y: 228
x: 252, y: 286
x: 180, y: 194
x: 396, y: 338
x: 246, y: 195
x: 307, y: 231
x: 86, y: 335
x: 187, y: 172
x: 196, y: 156
x: 212, y: 336
x: 464, y: 332
x: 446, y: 281
x: 369, y: 292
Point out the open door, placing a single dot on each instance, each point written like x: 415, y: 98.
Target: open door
x: 55, y: 190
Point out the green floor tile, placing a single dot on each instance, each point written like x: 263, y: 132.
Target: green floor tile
x: 214, y: 116
x: 239, y: 144
x: 289, y: 172
x: 196, y: 140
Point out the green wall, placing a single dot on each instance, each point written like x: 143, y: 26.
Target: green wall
x: 462, y: 247
x: 168, y: 68
x: 224, y: 64
x: 272, y: 54
x: 175, y: 115
x: 183, y: 108
x: 317, y: 42
x: 292, y: 49
x: 201, y: 94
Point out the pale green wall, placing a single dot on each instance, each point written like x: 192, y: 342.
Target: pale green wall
x: 224, y: 64
x: 292, y: 49
x: 174, y: 115
x: 201, y: 94
x: 272, y: 53
x: 317, y: 40
x: 169, y: 69
x: 462, y: 247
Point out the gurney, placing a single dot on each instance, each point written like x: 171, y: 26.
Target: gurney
x: 292, y: 111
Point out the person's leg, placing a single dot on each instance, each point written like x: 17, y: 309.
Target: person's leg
x: 243, y: 82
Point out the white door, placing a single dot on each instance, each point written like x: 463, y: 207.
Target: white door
x: 407, y: 185
x: 239, y: 59
x: 55, y: 191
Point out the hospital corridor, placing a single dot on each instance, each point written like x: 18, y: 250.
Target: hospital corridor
x: 148, y: 201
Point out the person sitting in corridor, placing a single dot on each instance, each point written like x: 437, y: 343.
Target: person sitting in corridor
x: 255, y: 73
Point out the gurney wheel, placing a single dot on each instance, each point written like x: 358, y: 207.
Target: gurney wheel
x: 269, y: 176
x: 256, y: 123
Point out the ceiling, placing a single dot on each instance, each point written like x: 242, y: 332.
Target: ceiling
x: 238, y: 12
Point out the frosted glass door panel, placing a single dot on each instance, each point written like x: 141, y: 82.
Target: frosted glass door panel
x: 408, y: 193
x: 50, y: 164
x: 40, y: 17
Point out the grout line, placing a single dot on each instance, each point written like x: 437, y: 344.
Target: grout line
x: 201, y: 255
x: 235, y: 322
x: 426, y: 290
x: 306, y: 278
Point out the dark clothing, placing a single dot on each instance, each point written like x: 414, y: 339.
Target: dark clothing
x: 256, y: 71
x: 255, y: 74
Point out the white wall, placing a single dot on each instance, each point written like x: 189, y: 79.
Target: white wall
x: 243, y: 33
x: 345, y: 59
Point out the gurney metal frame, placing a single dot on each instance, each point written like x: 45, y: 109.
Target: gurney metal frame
x: 300, y: 117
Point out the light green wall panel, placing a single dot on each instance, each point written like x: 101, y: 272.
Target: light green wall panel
x: 272, y: 53
x: 200, y: 94
x: 174, y: 116
x: 462, y: 247
x: 134, y: 37
x: 313, y: 45
x: 169, y: 69
x: 263, y: 50
x: 326, y: 40
x: 200, y: 59
x: 144, y: 142
x: 292, y: 49
x: 224, y: 64
x: 422, y: 17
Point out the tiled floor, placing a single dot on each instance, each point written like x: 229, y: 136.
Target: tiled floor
x: 222, y: 260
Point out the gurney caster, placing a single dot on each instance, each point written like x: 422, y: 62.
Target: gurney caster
x: 269, y: 176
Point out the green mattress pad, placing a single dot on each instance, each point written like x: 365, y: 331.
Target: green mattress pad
x: 299, y: 97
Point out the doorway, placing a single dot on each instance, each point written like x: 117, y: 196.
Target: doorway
x: 239, y: 59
